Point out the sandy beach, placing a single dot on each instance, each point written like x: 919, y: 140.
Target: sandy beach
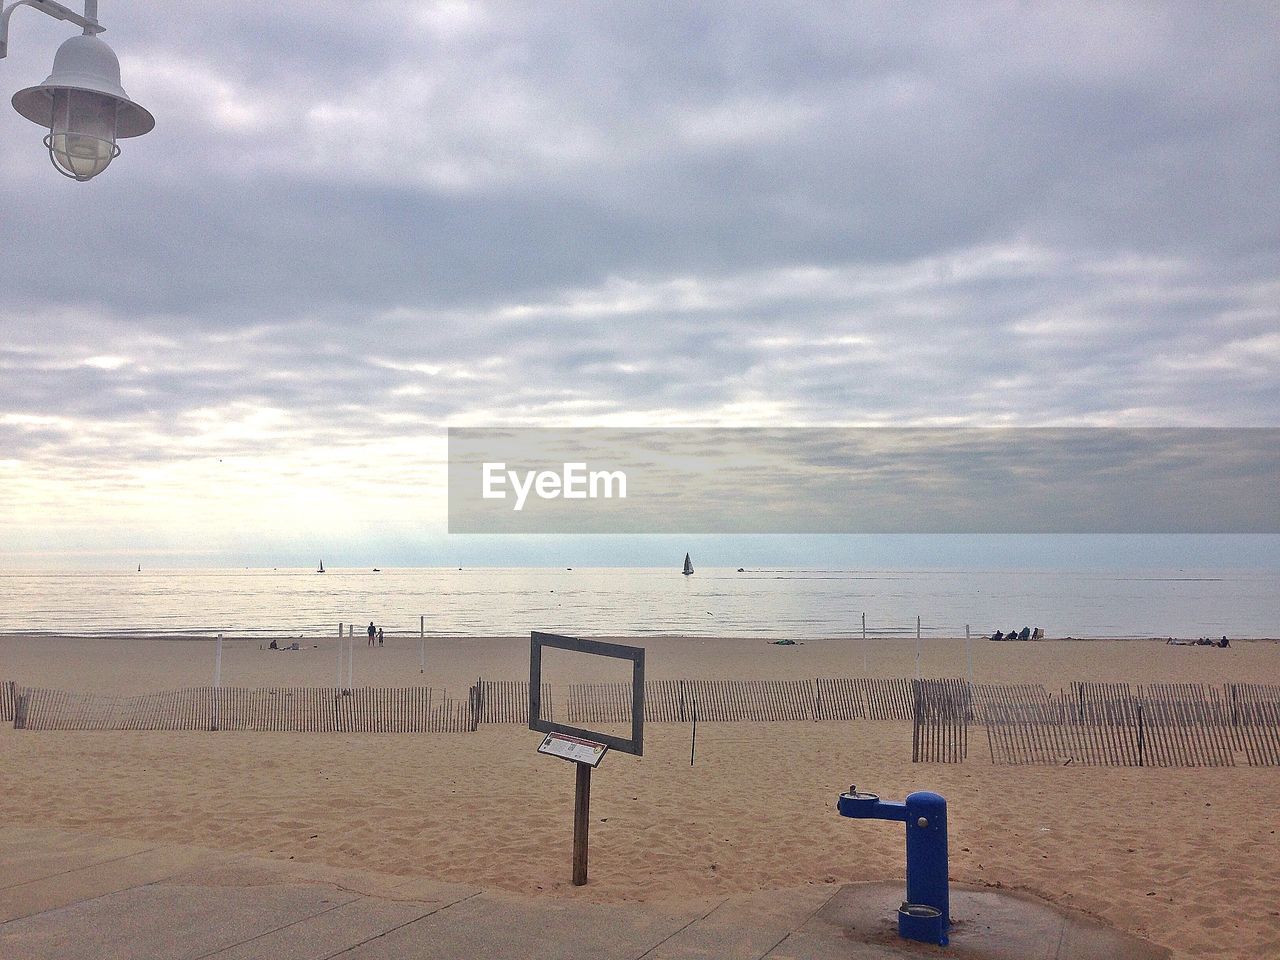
x: 1184, y: 857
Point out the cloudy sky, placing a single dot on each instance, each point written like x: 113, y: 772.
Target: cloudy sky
x: 356, y: 225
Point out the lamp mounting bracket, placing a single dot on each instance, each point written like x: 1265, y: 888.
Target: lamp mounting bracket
x: 88, y: 21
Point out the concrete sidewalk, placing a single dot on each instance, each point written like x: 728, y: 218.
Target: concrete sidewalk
x: 66, y: 896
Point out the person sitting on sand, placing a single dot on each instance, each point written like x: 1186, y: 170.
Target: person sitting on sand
x: 373, y: 631
x: 998, y: 636
x: 273, y: 645
x: 1224, y: 643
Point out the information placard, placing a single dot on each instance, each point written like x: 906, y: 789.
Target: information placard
x: 573, y: 748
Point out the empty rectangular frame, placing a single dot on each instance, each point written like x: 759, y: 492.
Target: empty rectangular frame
x: 618, y: 651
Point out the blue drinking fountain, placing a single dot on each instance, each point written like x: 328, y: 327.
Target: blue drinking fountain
x: 925, y: 914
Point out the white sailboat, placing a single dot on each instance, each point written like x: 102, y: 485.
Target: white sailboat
x: 688, y: 566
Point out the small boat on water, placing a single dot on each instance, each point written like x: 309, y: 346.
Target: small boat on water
x: 688, y: 566
x: 321, y: 570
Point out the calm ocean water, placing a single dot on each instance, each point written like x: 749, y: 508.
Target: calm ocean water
x: 594, y: 602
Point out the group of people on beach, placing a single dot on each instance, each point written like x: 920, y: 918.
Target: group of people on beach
x: 375, y: 635
x: 1026, y: 633
x: 1202, y: 642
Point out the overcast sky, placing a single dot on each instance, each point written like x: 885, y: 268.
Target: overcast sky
x: 357, y: 224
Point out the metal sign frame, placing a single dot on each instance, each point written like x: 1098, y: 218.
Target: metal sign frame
x: 599, y: 648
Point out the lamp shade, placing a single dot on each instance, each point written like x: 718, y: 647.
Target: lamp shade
x: 85, y: 64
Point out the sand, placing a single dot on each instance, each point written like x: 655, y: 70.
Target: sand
x: 1185, y: 857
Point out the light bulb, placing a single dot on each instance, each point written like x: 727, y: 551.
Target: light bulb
x: 82, y: 137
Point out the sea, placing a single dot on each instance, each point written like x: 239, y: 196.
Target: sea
x: 758, y: 603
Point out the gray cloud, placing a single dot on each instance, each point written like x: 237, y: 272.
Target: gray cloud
x: 353, y: 225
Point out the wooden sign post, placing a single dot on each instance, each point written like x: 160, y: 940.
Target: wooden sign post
x: 585, y: 748
x: 586, y: 756
x: 581, y: 822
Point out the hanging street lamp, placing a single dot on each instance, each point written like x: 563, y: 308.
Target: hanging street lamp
x: 81, y: 103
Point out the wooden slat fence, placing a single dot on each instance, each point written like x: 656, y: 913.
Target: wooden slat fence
x: 273, y: 709
x: 665, y: 701
x: 1013, y: 732
x: 507, y: 701
x: 1027, y: 697
x: 1063, y: 730
x: 282, y: 709
x: 1187, y: 701
x: 940, y: 720
x: 1108, y: 727
x: 887, y: 698
x: 1090, y: 724
x: 1258, y: 732
x: 1085, y: 692
x: 756, y: 700
x: 592, y: 703
x: 37, y: 709
x: 6, y: 700
x: 1256, y: 692
x: 1166, y: 725
x: 1180, y: 735
x: 671, y: 701
x: 1254, y: 709
x: 876, y: 698
x: 405, y: 710
x: 839, y: 698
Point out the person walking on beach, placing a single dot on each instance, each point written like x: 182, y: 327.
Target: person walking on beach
x: 372, y: 632
x: 379, y: 636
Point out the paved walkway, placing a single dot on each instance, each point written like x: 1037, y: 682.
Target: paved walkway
x: 67, y: 896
